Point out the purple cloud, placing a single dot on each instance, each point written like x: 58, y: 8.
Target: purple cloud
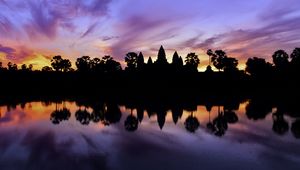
x: 45, y: 18
x: 280, y: 30
x: 97, y: 7
x: 107, y: 38
x: 7, y: 50
x: 7, y: 28
x: 43, y: 21
x: 90, y: 29
x: 145, y: 25
x: 18, y: 54
x: 136, y: 31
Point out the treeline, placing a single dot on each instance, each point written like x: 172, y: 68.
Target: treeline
x: 105, y: 76
x: 283, y: 63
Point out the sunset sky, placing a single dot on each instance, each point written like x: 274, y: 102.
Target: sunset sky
x: 33, y: 31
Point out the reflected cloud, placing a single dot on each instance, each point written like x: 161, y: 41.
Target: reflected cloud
x: 43, y: 145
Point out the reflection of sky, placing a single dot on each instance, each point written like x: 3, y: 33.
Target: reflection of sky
x: 32, y: 31
x: 29, y: 139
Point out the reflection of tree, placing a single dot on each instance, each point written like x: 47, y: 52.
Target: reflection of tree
x: 96, y: 116
x: 209, y: 125
x: 98, y: 112
x: 220, y: 124
x: 257, y: 109
x: 131, y: 123
x: 191, y: 123
x: 83, y: 116
x: 230, y: 116
x: 60, y: 115
x: 280, y: 125
x: 112, y: 114
x: 296, y: 128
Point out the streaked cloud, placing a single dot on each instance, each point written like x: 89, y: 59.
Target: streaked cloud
x: 100, y: 27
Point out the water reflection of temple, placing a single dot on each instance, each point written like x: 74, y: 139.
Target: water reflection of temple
x: 109, y: 113
x: 220, y: 114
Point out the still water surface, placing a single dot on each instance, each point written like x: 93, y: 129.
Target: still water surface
x: 68, y: 135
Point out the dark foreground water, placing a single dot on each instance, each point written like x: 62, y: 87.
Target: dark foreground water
x: 68, y: 135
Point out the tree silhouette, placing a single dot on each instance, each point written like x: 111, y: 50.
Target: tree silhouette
x: 66, y: 65
x: 83, y: 64
x: 280, y: 60
x: 131, y: 60
x: 295, y: 60
x: 97, y: 65
x: 47, y: 69
x: 30, y: 67
x: 258, y: 67
x: 191, y: 62
x: 60, y: 64
x: 12, y: 67
x: 295, y: 55
x: 210, y: 53
x: 217, y: 58
x: 230, y: 64
x: 24, y: 67
x: 111, y: 66
x: 56, y: 63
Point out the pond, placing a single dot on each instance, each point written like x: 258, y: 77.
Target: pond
x: 108, y: 135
